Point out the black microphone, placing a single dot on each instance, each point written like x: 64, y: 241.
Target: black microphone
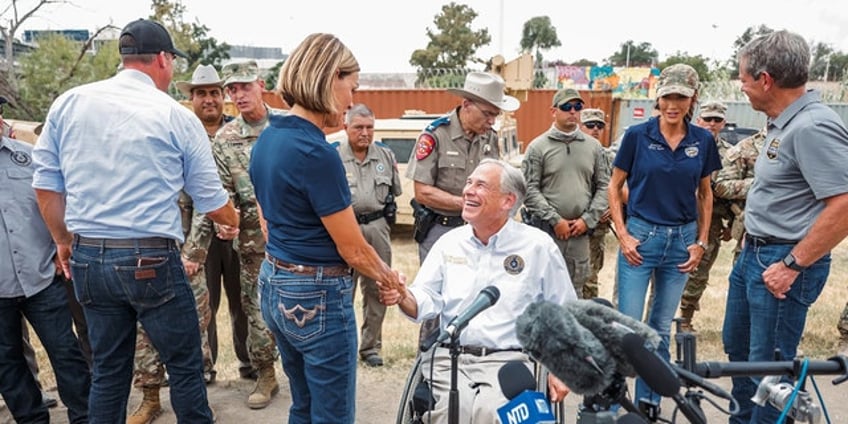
x: 659, y: 375
x: 553, y: 336
x: 609, y: 326
x: 514, y: 378
x: 487, y: 297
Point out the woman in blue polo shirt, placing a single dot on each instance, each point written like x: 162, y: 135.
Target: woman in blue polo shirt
x: 305, y: 209
x: 666, y: 163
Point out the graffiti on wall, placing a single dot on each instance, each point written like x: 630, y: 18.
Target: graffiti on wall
x: 624, y: 82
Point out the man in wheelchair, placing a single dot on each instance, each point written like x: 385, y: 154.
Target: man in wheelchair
x: 522, y: 262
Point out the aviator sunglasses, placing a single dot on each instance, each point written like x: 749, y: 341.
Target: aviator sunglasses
x: 593, y: 125
x: 566, y: 107
x: 713, y: 119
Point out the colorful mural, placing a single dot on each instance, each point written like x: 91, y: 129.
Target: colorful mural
x: 624, y: 82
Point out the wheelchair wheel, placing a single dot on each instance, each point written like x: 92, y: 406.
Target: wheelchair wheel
x: 542, y: 386
x: 406, y: 409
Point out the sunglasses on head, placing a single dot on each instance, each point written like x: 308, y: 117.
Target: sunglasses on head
x: 566, y: 107
x: 593, y: 125
x: 713, y: 119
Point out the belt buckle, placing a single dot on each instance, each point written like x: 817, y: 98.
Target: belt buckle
x: 483, y: 351
x: 299, y: 268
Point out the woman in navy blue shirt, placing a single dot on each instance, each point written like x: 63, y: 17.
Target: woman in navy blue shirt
x: 666, y: 163
x: 313, y: 238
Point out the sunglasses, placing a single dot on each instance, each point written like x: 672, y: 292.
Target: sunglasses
x: 593, y: 125
x: 566, y: 107
x: 713, y: 119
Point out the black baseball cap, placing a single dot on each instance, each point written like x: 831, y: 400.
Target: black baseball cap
x: 150, y: 38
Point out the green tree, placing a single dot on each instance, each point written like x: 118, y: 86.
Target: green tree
x: 272, y: 75
x: 538, y: 34
x: 59, y: 64
x: 190, y: 37
x: 698, y: 62
x: 634, y: 55
x: 452, y: 46
x: 749, y: 34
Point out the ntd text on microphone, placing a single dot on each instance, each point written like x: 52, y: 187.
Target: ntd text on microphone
x: 493, y: 250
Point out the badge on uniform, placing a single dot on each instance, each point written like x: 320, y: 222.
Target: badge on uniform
x: 381, y: 168
x: 691, y: 151
x: 773, y: 147
x: 21, y: 158
x: 513, y: 264
x: 425, y: 146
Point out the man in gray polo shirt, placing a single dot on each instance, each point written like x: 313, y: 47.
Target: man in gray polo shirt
x: 31, y: 287
x: 794, y: 215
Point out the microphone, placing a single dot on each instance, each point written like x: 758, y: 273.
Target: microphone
x: 609, y: 326
x: 487, y: 297
x: 554, y: 337
x: 659, y: 375
x: 526, y: 405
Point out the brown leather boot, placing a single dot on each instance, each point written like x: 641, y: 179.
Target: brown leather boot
x: 148, y: 409
x: 266, y: 387
x: 686, y: 324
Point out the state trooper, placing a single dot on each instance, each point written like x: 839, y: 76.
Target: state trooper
x: 712, y: 116
x: 372, y: 174
x: 446, y: 153
x: 231, y: 150
x: 206, y: 93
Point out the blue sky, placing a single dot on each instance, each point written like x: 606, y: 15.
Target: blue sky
x: 384, y: 33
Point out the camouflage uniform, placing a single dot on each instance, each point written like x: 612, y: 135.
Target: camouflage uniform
x: 231, y: 150
x: 699, y: 278
x: 735, y: 178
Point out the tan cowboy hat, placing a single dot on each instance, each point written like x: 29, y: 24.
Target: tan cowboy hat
x: 203, y: 75
x: 488, y: 88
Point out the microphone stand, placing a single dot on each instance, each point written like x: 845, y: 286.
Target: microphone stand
x: 453, y: 395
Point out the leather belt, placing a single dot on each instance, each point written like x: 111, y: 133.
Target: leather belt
x: 327, y: 270
x: 365, y: 218
x: 478, y: 350
x: 765, y: 241
x: 143, y: 243
x: 449, y: 221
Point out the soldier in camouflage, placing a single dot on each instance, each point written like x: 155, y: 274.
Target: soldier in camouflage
x: 205, y: 90
x: 734, y: 180
x: 711, y: 117
x: 231, y: 150
x: 593, y: 122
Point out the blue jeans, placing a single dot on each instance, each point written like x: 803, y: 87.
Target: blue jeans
x: 756, y: 323
x: 663, y: 248
x: 314, y: 325
x: 50, y: 317
x: 115, y: 293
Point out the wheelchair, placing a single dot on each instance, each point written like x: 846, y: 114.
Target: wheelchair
x: 415, y: 400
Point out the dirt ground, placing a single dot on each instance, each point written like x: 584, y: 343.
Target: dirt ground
x: 378, y: 394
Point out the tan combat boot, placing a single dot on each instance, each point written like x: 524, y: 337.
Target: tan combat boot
x: 266, y: 387
x: 149, y: 409
x: 686, y: 322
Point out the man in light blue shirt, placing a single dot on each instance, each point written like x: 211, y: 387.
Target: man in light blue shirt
x: 110, y: 164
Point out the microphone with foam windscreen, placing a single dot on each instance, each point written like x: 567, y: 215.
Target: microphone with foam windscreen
x: 526, y: 405
x: 658, y: 374
x: 487, y: 297
x: 553, y: 336
x: 609, y: 326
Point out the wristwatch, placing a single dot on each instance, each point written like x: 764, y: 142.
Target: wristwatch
x: 701, y: 244
x: 792, y: 264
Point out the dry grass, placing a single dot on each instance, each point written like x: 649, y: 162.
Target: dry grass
x: 400, y: 336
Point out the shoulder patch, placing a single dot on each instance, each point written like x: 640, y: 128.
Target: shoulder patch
x: 445, y: 120
x: 426, y: 144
